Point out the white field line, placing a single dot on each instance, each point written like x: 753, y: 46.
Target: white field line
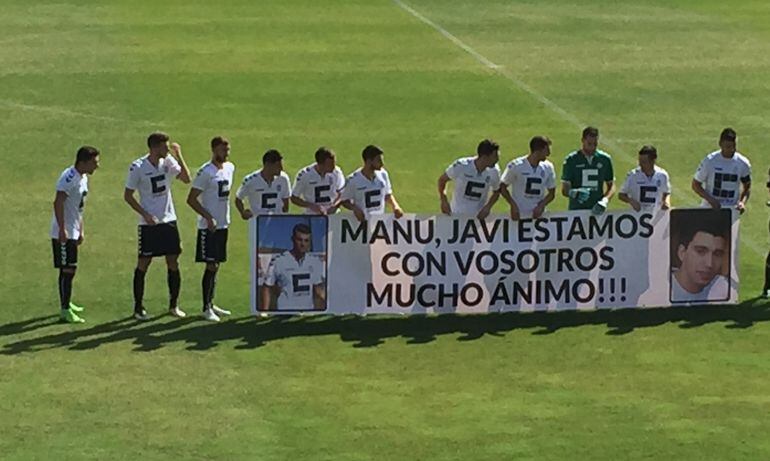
x: 563, y: 113
x: 71, y: 113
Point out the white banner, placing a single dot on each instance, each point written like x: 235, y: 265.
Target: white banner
x: 437, y: 264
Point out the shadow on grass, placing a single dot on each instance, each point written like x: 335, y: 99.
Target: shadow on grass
x: 370, y: 331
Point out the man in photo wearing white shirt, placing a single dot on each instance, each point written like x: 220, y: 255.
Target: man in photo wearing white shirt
x: 723, y: 178
x: 647, y: 187
x: 67, y: 231
x: 531, y: 179
x: 267, y: 190
x: 368, y: 189
x: 702, y: 251
x: 318, y: 185
x: 476, y: 182
x: 295, y: 276
x: 152, y: 175
x: 210, y: 198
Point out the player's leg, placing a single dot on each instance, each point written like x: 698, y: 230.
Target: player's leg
x: 221, y: 256
x: 174, y: 279
x: 208, y: 282
x: 65, y: 259
x: 142, y: 265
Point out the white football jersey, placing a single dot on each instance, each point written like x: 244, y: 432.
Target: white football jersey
x: 265, y: 198
x: 471, y: 187
x: 154, y: 186
x: 75, y: 185
x: 295, y: 279
x: 313, y: 188
x: 214, y: 184
x: 368, y: 195
x: 721, y: 177
x: 528, y: 184
x: 647, y: 190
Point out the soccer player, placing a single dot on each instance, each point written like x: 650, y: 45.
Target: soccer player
x: 267, y: 189
x: 368, y: 189
x: 152, y: 175
x: 701, y: 252
x: 532, y: 180
x: 717, y: 179
x: 476, y: 182
x: 318, y: 185
x: 647, y: 187
x: 296, y: 275
x: 210, y: 198
x: 67, y: 232
x: 587, y: 177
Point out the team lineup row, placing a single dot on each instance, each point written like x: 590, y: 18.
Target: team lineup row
x: 528, y: 184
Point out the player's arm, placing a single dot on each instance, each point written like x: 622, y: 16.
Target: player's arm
x: 195, y: 204
x: 540, y: 208
x: 697, y: 187
x: 305, y: 204
x: 319, y: 297
x: 128, y: 196
x: 82, y: 231
x: 506, y: 194
x: 444, y: 202
x: 390, y: 199
x: 245, y: 213
x: 487, y: 208
x: 184, y: 173
x: 745, y: 193
x: 286, y: 205
x: 624, y: 197
x: 58, y: 211
x: 266, y: 296
x: 666, y: 201
x: 358, y: 212
x: 610, y: 190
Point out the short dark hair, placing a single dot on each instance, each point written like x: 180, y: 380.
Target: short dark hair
x: 539, y: 143
x: 217, y: 141
x: 590, y: 132
x: 301, y: 228
x: 708, y: 224
x: 371, y: 152
x: 85, y: 154
x: 323, y: 154
x: 272, y: 156
x: 728, y: 134
x: 156, y: 138
x: 649, y: 150
x: 487, y: 147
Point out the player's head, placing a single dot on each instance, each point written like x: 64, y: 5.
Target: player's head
x: 647, y: 156
x: 325, y: 159
x: 540, y: 147
x: 590, y: 140
x: 87, y: 159
x: 272, y: 162
x: 220, y: 149
x: 488, y: 152
x: 372, y: 156
x: 158, y: 143
x: 727, y: 142
x: 701, y: 251
x: 300, y: 237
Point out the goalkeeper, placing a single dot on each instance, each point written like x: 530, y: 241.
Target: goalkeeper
x: 587, y: 177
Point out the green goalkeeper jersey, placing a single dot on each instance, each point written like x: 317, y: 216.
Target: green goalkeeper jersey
x: 587, y: 172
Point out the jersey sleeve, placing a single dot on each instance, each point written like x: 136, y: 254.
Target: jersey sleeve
x: 494, y: 179
x: 507, y: 177
x: 609, y: 172
x: 566, y: 170
x: 702, y: 173
x: 453, y: 170
x: 550, y: 178
x: 201, y: 179
x: 340, y: 181
x: 287, y: 182
x: 269, y: 278
x: 316, y: 275
x: 666, y: 186
x: 388, y: 186
x: 67, y: 183
x: 243, y: 189
x: 173, y: 168
x: 746, y: 172
x: 347, y: 190
x: 299, y: 184
x: 132, y: 179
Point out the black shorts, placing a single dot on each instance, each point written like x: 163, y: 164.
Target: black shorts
x: 211, y: 246
x: 66, y: 254
x: 159, y: 240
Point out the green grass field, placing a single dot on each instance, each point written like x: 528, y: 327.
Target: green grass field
x: 685, y: 383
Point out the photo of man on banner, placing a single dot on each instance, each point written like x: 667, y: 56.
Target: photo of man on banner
x: 700, y: 255
x: 295, y: 276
